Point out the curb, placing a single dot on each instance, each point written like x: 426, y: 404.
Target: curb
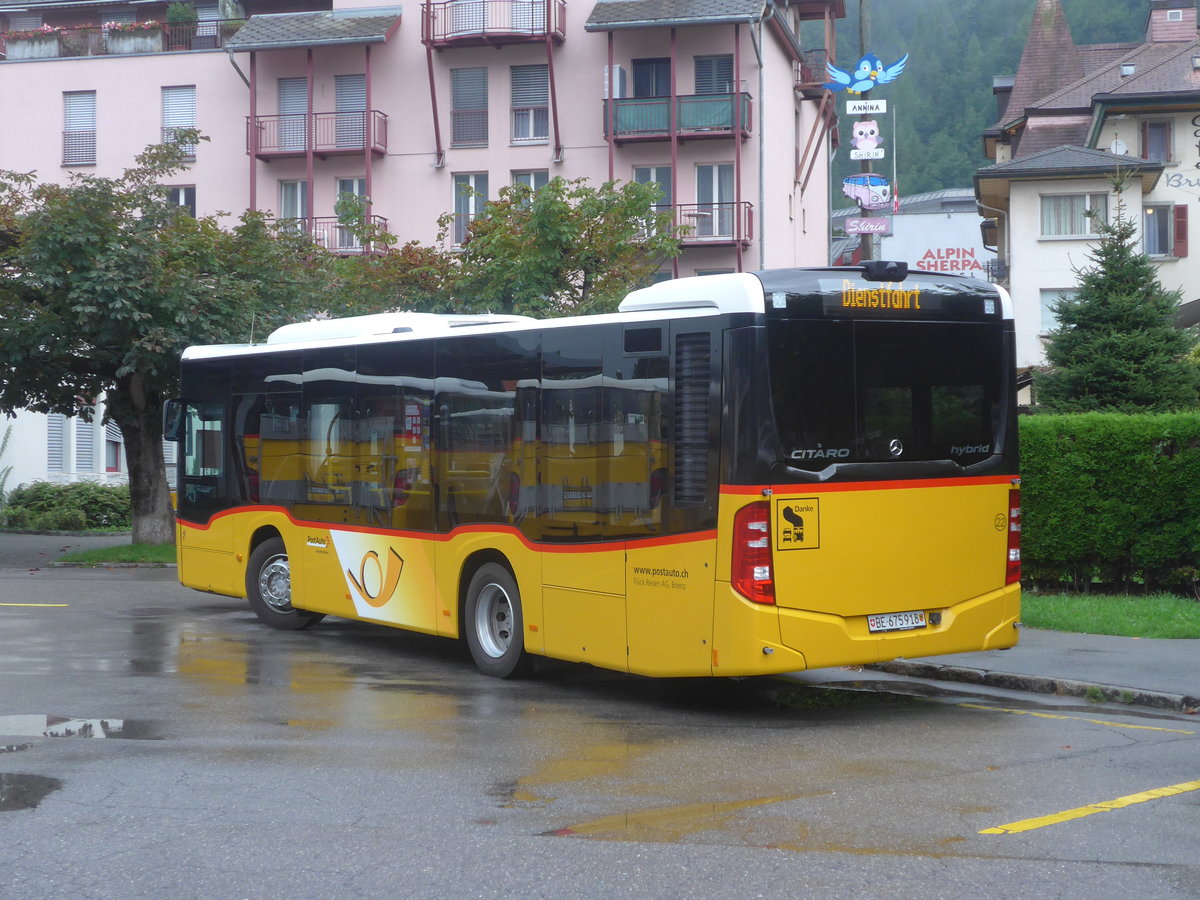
x: 108, y: 565
x: 1042, y: 685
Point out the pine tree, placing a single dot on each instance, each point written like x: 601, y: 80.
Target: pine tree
x: 1116, y: 347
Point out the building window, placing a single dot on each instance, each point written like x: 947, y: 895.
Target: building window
x: 179, y: 111
x: 657, y: 175
x: 350, y: 98
x: 469, y: 107
x: 1073, y: 215
x: 1156, y: 141
x: 85, y: 444
x: 714, y: 74
x: 1047, y: 298
x: 530, y: 99
x: 470, y: 195
x: 56, y: 436
x: 79, y: 128
x: 183, y: 195
x: 293, y: 203
x: 534, y: 179
x: 652, y: 78
x: 1165, y: 230
x: 112, y: 447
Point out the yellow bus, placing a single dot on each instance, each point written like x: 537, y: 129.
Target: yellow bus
x: 732, y: 475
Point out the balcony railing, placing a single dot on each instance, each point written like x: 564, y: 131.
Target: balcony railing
x: 332, y: 233
x: 996, y: 270
x: 697, y: 116
x: 329, y: 133
x: 476, y: 22
x: 810, y: 72
x: 95, y: 40
x: 716, y: 223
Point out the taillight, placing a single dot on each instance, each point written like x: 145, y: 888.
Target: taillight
x: 1012, y: 571
x: 752, y: 575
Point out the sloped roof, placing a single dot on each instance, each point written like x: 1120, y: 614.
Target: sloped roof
x: 1039, y: 135
x: 609, y: 15
x: 313, y: 29
x: 1050, y: 59
x: 1068, y: 160
x: 1158, y: 68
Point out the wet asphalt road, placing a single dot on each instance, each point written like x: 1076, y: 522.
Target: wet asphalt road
x: 353, y: 761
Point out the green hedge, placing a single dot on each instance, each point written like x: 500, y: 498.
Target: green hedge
x: 1111, y: 498
x: 80, y: 506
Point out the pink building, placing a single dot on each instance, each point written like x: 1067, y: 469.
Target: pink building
x: 428, y: 109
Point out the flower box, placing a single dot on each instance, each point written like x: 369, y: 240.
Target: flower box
x: 135, y: 41
x: 40, y: 47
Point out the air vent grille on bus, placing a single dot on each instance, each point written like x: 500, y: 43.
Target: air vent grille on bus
x: 692, y: 374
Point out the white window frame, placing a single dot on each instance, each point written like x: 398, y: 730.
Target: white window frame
x: 1046, y: 296
x: 470, y: 197
x: 469, y: 107
x: 79, y: 121
x: 179, y: 111
x: 1167, y: 229
x: 530, y: 97
x: 1090, y: 200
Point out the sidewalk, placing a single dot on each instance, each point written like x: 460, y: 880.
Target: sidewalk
x: 1163, y: 674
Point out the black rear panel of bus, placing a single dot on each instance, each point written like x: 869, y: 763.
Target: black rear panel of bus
x: 870, y: 381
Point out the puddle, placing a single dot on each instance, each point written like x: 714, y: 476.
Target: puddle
x: 25, y: 791
x: 62, y: 726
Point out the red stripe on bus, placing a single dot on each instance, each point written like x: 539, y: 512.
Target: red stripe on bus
x: 442, y: 537
x: 763, y: 490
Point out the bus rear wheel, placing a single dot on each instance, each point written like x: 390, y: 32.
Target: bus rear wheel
x: 269, y: 588
x: 494, y: 623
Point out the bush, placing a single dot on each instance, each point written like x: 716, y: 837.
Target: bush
x: 1111, y: 498
x: 68, y: 507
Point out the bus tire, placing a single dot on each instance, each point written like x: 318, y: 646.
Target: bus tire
x: 494, y: 622
x: 269, y: 588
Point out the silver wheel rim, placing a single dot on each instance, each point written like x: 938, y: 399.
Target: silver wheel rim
x: 275, y: 584
x: 494, y: 620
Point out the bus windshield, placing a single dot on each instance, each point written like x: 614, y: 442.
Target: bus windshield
x: 863, y: 391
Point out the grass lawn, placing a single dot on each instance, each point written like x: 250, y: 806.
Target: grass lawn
x: 124, y: 553
x: 1147, y: 616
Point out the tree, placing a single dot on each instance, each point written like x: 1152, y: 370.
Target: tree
x: 566, y: 248
x: 103, y: 283
x: 1116, y: 347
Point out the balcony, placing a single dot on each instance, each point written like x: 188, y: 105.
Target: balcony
x: 996, y: 270
x: 698, y: 116
x: 713, y: 224
x: 811, y: 75
x: 328, y: 133
x: 333, y: 234
x: 476, y: 23
x: 55, y: 42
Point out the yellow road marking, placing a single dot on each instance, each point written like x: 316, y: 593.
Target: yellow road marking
x: 1042, y: 715
x: 35, y: 604
x: 1104, y: 806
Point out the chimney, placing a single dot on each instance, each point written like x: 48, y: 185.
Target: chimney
x: 1171, y: 20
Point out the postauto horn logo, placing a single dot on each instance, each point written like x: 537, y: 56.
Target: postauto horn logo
x: 372, y: 570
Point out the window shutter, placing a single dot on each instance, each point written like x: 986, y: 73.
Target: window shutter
x: 714, y: 74
x: 24, y: 21
x: 79, y: 127
x: 1180, y: 214
x: 85, y: 446
x: 469, y: 88
x: 55, y: 427
x: 530, y: 86
x: 179, y: 106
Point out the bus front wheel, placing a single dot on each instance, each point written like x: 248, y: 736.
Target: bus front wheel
x: 493, y: 621
x: 269, y: 588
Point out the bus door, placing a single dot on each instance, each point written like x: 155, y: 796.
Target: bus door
x: 583, y: 559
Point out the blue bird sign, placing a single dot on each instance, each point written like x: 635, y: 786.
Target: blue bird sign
x: 869, y: 72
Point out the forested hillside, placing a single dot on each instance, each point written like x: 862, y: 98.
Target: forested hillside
x: 943, y: 101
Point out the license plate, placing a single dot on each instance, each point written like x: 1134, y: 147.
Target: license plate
x: 901, y: 621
